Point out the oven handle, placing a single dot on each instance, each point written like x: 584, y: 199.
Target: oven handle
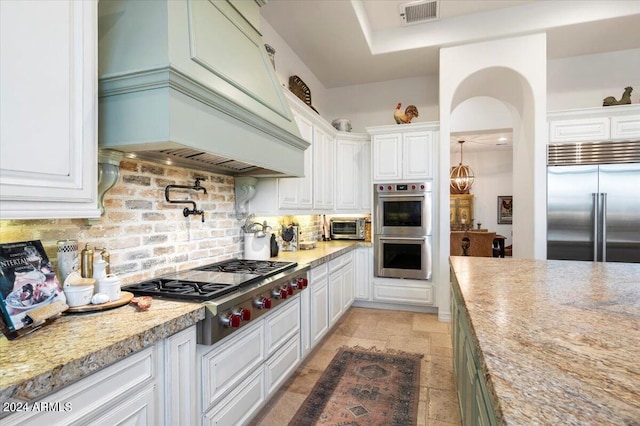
x: 404, y: 238
x: 419, y: 195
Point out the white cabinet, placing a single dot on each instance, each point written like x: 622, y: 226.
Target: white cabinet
x: 297, y: 193
x: 595, y: 124
x: 181, y: 388
x: 238, y: 374
x: 341, y: 283
x: 323, y: 170
x: 402, y: 153
x: 363, y: 273
x: 127, y: 392
x: 48, y: 110
x: 319, y: 313
x: 403, y: 291
x: 353, y: 173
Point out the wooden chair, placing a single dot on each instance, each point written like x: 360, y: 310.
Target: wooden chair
x: 480, y: 243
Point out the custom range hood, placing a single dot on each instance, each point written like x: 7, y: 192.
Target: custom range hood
x: 189, y: 83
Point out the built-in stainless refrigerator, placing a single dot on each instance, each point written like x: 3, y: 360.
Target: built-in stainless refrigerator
x: 593, y: 202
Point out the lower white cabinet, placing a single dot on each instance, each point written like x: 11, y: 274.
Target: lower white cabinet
x: 341, y: 283
x: 240, y: 403
x: 403, y: 291
x: 363, y: 273
x: 319, y: 313
x: 238, y: 374
x: 123, y: 393
x: 180, y: 378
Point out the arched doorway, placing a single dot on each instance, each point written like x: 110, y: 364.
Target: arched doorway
x: 514, y: 72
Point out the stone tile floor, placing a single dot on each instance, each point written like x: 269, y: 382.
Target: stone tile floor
x: 406, y: 331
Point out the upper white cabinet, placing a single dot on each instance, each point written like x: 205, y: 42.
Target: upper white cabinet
x: 324, y: 169
x: 595, y: 124
x: 353, y: 173
x: 48, y: 109
x: 297, y: 193
x: 403, y: 152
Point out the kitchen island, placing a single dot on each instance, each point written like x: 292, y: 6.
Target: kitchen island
x: 554, y: 342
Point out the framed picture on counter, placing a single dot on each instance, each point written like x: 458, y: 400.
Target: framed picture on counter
x: 505, y: 209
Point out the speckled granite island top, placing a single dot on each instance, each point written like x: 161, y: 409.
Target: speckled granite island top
x: 558, y: 340
x: 76, y: 345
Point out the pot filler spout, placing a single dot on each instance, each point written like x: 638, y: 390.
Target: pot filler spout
x: 194, y: 105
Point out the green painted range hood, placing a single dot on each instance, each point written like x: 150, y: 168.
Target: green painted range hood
x: 189, y: 83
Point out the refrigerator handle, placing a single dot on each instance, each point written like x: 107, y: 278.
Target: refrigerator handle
x: 595, y: 201
x: 603, y: 213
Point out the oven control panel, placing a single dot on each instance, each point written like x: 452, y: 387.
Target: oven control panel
x: 403, y: 188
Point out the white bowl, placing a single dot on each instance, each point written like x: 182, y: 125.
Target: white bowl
x: 78, y: 295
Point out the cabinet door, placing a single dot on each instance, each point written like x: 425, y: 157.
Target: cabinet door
x: 348, y: 275
x: 336, y: 286
x: 297, y: 193
x: 387, y: 157
x: 324, y: 170
x: 180, y: 375
x: 364, y: 272
x: 282, y: 325
x: 417, y: 157
x: 240, y: 403
x: 625, y: 127
x: 579, y: 130
x: 348, y: 175
x: 365, y: 176
x: 48, y: 109
x: 319, y: 308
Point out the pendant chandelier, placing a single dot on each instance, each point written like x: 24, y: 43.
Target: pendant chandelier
x: 461, y: 177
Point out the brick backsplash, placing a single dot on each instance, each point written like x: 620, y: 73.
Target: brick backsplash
x: 147, y: 236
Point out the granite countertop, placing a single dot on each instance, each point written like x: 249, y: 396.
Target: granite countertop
x: 557, y: 340
x: 77, y: 345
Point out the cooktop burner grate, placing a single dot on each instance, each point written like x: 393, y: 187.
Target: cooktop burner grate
x: 264, y: 268
x: 179, y: 289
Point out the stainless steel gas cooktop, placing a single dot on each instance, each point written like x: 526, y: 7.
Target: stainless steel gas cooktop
x: 210, y: 282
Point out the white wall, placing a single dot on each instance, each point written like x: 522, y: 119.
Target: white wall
x: 288, y: 63
x: 584, y: 81
x: 370, y: 105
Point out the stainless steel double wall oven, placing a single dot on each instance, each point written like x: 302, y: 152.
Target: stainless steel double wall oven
x: 403, y: 222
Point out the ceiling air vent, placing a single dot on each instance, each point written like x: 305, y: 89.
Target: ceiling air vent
x: 416, y: 12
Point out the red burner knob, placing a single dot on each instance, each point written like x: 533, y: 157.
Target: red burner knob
x: 245, y: 314
x: 302, y: 283
x: 283, y: 293
x: 231, y: 320
x: 289, y: 290
x: 263, y: 303
x: 266, y: 303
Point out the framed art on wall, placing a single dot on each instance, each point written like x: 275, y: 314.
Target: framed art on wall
x: 505, y: 209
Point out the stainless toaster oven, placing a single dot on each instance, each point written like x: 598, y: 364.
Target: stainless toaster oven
x: 347, y: 228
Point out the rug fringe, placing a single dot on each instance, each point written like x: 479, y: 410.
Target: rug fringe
x: 388, y: 351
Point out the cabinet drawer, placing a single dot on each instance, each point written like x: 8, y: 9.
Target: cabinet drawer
x: 336, y: 264
x: 282, y: 363
x: 240, y: 404
x: 281, y: 325
x: 222, y: 368
x: 413, y: 294
x: 94, y: 394
x: 625, y: 127
x: 317, y: 273
x: 579, y: 130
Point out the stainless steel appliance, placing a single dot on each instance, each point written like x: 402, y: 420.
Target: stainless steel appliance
x: 593, y: 202
x: 235, y: 292
x: 347, y: 228
x: 402, y: 241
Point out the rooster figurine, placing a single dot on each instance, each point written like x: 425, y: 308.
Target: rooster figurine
x: 407, y: 116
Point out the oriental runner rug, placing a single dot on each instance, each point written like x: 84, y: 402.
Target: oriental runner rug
x: 364, y: 387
